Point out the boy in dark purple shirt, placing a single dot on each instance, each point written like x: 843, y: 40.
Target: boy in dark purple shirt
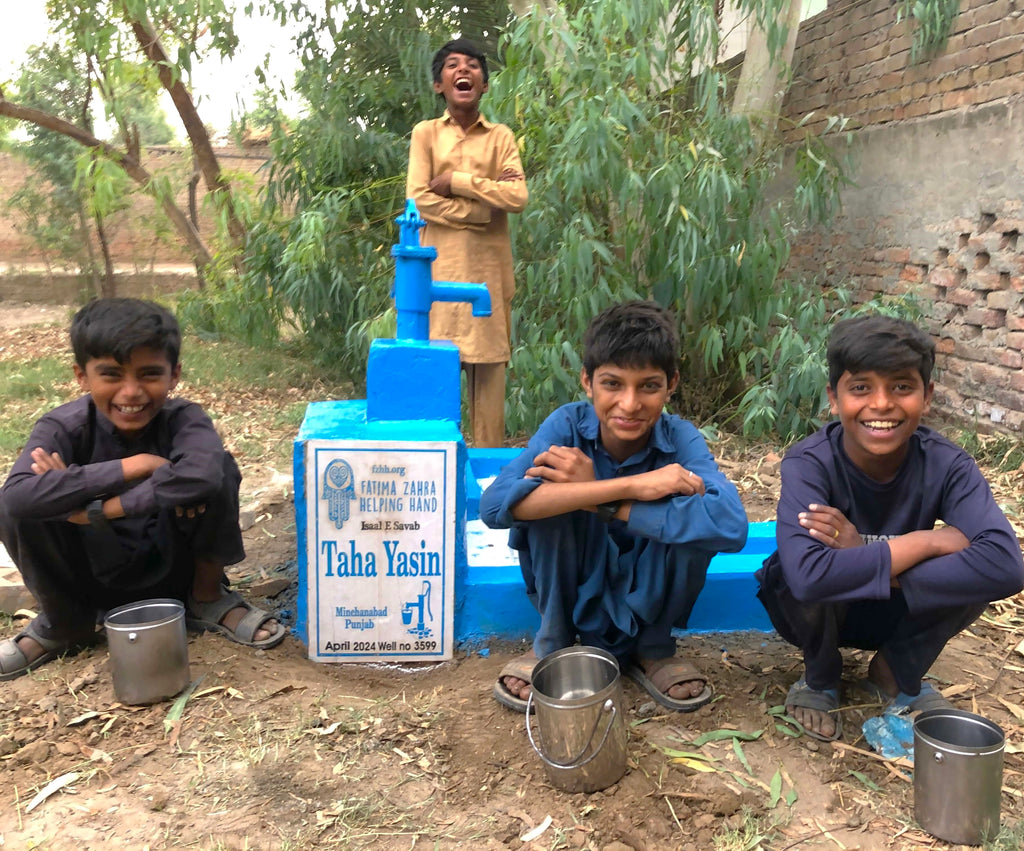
x: 860, y: 561
x: 124, y: 494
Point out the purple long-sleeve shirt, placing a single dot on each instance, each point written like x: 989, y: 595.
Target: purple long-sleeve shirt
x: 938, y: 481
x: 92, y: 450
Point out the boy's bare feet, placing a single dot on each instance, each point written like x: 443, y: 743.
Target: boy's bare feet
x: 208, y: 587
x: 880, y: 675
x: 233, y: 617
x: 519, y: 687
x: 679, y: 691
x: 814, y: 710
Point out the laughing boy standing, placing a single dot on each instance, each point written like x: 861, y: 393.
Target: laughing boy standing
x: 466, y: 177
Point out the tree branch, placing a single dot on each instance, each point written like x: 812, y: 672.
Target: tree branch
x: 131, y: 166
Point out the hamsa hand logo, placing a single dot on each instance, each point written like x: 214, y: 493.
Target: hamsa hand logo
x: 339, y: 491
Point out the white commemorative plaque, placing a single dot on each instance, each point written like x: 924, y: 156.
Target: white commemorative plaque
x: 381, y: 550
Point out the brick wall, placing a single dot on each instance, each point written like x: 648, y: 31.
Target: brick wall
x: 854, y: 59
x: 937, y: 209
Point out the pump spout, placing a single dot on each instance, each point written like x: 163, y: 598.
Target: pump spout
x: 476, y: 294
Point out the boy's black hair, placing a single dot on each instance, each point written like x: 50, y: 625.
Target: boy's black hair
x: 115, y: 327
x: 459, y: 45
x: 881, y: 344
x: 632, y: 335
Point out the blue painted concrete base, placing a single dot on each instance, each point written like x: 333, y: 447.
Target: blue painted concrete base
x: 413, y: 380
x: 494, y: 602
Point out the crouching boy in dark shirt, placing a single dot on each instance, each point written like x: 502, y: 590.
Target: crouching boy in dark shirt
x: 860, y: 561
x: 616, y: 509
x: 124, y: 494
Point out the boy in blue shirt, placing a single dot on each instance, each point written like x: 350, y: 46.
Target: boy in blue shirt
x: 124, y: 494
x: 616, y: 509
x: 860, y: 561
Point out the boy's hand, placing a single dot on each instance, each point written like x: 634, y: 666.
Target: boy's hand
x: 43, y: 461
x: 442, y: 185
x: 510, y: 174
x: 665, y: 481
x: 562, y: 464
x: 141, y: 466
x: 189, y: 511
x: 830, y: 526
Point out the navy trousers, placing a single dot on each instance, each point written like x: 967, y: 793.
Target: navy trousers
x: 909, y: 641
x: 594, y: 581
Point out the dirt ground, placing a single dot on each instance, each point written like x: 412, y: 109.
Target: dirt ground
x: 273, y: 751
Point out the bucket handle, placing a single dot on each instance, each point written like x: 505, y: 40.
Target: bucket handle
x: 609, y: 706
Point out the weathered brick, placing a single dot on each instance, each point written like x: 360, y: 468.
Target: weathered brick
x: 987, y: 374
x: 944, y: 345
x: 917, y: 108
x: 1005, y: 396
x: 942, y: 277
x: 981, y: 74
x: 1011, y: 358
x: 984, y: 318
x: 988, y: 12
x: 963, y: 297
x: 986, y: 279
x: 1014, y: 322
x: 985, y: 34
x: 912, y: 273
x: 1002, y: 300
x: 1011, y: 25
x: 954, y: 100
x: 1015, y: 340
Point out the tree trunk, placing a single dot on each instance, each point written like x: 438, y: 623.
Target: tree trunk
x: 90, y: 270
x: 194, y: 127
x: 108, y: 286
x: 200, y: 253
x: 763, y: 80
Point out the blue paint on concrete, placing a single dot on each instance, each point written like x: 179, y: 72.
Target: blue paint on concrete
x: 345, y: 422
x: 413, y: 380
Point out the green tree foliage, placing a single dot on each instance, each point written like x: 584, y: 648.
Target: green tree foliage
x: 57, y: 210
x: 320, y: 254
x: 642, y: 185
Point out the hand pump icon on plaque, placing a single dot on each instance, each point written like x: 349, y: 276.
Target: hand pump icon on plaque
x: 422, y: 608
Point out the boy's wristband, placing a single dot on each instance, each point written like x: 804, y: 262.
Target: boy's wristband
x: 606, y: 511
x: 94, y: 511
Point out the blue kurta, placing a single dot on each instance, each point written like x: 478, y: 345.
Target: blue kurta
x: 620, y: 586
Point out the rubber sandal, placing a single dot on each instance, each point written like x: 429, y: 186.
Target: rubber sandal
x: 662, y: 674
x: 14, y: 663
x: 803, y: 696
x: 208, y: 616
x: 521, y: 669
x: 926, y: 699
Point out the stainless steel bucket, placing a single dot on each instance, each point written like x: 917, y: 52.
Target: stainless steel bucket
x: 958, y: 775
x: 581, y: 730
x: 148, y: 650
